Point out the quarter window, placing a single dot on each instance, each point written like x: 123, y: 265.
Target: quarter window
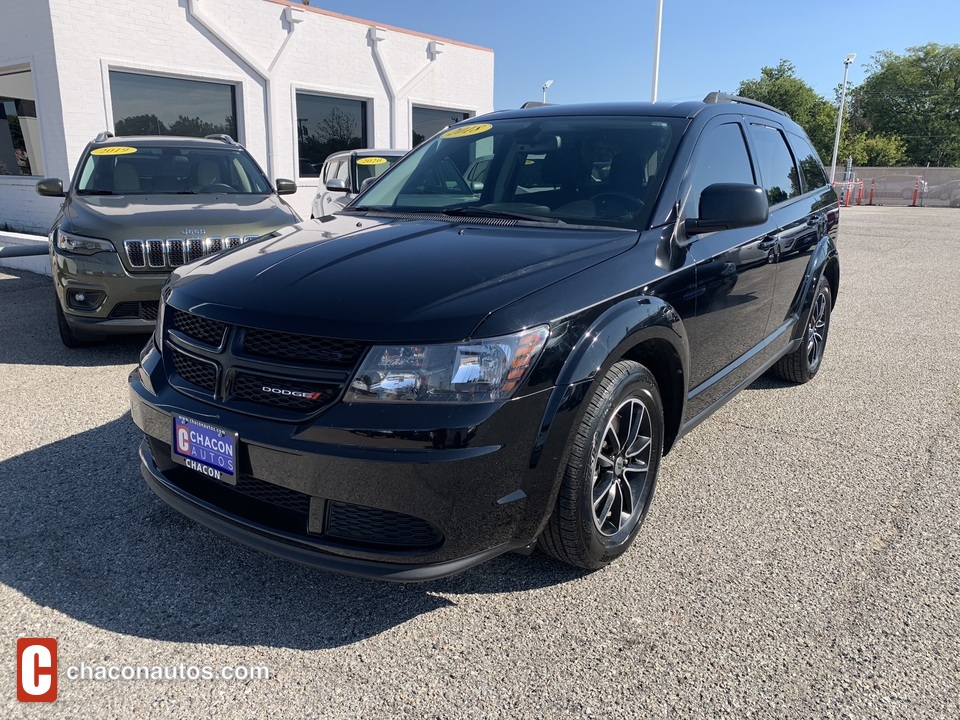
x: 777, y: 169
x: 721, y: 157
x: 326, y: 125
x: 154, y: 105
x: 810, y: 166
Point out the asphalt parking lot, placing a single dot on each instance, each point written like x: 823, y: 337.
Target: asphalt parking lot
x: 801, y: 559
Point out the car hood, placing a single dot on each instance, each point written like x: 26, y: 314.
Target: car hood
x: 120, y: 218
x: 387, y: 280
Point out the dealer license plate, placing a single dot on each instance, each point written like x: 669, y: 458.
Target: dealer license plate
x: 205, y: 449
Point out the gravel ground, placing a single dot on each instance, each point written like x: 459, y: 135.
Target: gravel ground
x: 800, y: 560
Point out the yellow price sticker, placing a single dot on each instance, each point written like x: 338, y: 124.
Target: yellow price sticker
x: 114, y: 150
x: 467, y: 130
x: 371, y: 161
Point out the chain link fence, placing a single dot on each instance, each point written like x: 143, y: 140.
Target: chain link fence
x: 904, y: 186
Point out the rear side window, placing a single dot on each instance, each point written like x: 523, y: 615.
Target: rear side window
x: 721, y: 157
x: 777, y: 169
x: 811, y: 168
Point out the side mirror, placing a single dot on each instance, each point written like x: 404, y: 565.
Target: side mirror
x: 725, y: 206
x: 367, y: 183
x: 286, y: 187
x: 51, y: 187
x: 337, y: 185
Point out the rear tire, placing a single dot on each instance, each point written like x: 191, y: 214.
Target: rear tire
x: 609, y: 480
x: 802, y: 364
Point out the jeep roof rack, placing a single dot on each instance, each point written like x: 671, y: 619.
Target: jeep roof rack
x: 103, y: 136
x: 535, y: 103
x: 719, y: 97
x: 223, y: 138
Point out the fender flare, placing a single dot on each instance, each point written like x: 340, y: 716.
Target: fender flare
x: 609, y: 338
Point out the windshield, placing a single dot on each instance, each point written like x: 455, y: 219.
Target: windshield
x: 591, y: 170
x: 151, y: 170
x: 371, y: 166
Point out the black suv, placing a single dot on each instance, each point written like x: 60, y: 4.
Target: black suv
x: 140, y: 206
x: 447, y: 370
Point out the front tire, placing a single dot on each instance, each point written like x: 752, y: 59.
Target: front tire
x: 609, y: 480
x: 67, y: 336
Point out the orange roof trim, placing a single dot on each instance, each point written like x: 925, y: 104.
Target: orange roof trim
x: 361, y: 21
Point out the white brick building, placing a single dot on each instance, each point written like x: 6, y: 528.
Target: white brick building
x: 290, y: 81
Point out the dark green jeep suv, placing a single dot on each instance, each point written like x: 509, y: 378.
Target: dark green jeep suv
x: 139, y: 207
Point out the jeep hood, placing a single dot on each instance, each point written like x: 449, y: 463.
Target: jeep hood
x: 119, y: 218
x: 387, y: 281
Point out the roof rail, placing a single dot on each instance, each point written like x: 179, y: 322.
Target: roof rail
x: 105, y: 135
x: 223, y: 138
x: 535, y: 103
x: 719, y: 97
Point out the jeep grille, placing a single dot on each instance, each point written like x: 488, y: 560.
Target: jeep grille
x: 173, y: 252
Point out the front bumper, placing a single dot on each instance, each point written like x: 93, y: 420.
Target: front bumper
x: 385, y: 491
x: 129, y: 299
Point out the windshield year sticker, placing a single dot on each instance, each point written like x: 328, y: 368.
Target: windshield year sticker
x: 467, y: 130
x: 371, y: 161
x: 115, y: 150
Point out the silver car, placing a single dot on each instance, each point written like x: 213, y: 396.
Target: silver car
x: 344, y: 173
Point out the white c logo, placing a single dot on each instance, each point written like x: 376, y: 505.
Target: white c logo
x: 33, y: 682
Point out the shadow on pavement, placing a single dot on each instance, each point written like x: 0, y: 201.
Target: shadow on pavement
x: 28, y: 327
x: 85, y: 536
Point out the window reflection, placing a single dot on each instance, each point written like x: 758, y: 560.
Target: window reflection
x: 427, y: 122
x: 20, y: 151
x: 154, y: 105
x: 326, y: 125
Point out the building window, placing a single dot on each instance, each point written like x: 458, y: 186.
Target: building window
x: 427, y: 122
x: 326, y: 125
x: 20, y: 151
x: 154, y: 105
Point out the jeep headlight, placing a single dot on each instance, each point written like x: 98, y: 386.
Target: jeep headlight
x: 468, y: 372
x: 81, y: 245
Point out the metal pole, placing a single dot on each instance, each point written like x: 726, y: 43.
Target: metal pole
x: 843, y: 96
x: 656, y: 52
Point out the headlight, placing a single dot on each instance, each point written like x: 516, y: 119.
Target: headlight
x: 82, y: 245
x: 468, y: 372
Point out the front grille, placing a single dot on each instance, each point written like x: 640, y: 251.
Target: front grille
x: 307, y: 349
x: 273, y: 494
x: 382, y: 528
x: 142, y: 310
x: 209, y: 332
x: 174, y: 252
x: 250, y: 388
x: 197, y: 372
x: 148, y: 310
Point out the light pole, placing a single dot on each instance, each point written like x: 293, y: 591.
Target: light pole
x: 656, y: 53
x: 547, y: 84
x: 847, y: 62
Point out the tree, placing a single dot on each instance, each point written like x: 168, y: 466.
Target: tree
x: 870, y: 150
x: 779, y: 86
x: 915, y: 97
x: 140, y: 125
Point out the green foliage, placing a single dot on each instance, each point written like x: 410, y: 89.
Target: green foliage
x: 779, y: 86
x: 184, y: 126
x: 915, y: 97
x: 870, y: 150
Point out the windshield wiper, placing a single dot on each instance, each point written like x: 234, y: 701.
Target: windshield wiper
x: 467, y: 211
x: 96, y: 192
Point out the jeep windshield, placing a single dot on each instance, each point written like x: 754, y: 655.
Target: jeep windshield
x: 594, y: 170
x: 169, y: 170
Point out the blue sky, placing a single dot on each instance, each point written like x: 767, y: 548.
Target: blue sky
x: 603, y: 50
